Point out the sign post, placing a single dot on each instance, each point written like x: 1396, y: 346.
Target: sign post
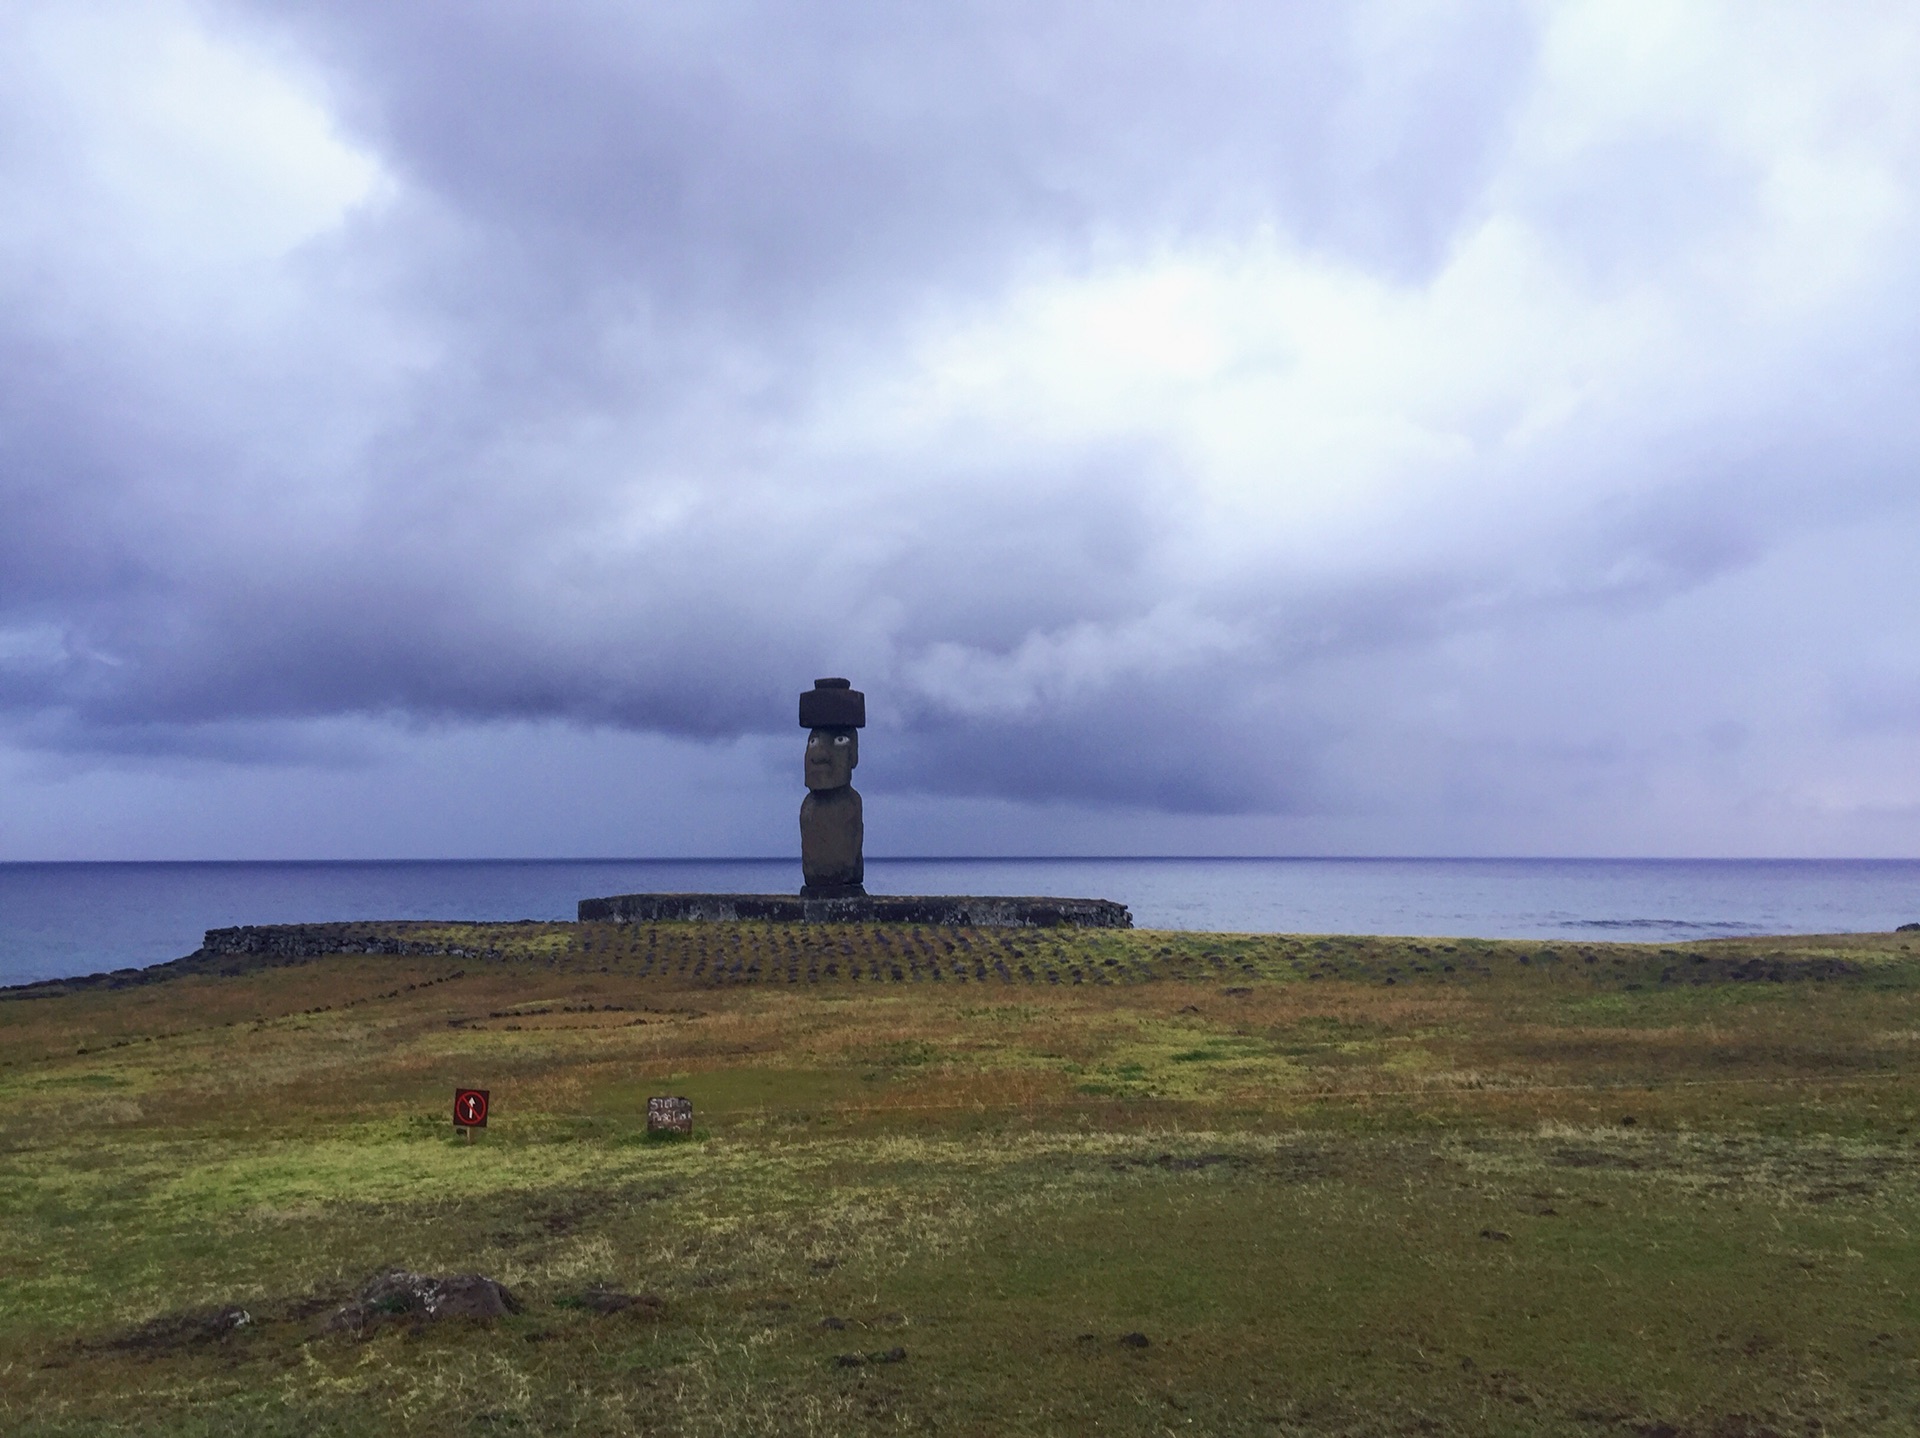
x: 469, y: 1110
x: 670, y: 1115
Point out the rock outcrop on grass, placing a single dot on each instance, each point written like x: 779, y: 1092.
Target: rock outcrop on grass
x: 423, y: 1298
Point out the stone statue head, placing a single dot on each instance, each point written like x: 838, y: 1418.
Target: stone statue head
x: 832, y: 712
x: 833, y: 752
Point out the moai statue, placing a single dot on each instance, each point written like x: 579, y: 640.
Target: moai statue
x: 832, y: 712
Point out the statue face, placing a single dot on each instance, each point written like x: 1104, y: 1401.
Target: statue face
x: 831, y: 757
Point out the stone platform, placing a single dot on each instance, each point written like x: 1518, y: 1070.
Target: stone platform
x: 963, y: 911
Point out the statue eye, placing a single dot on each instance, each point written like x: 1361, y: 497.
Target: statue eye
x: 840, y: 739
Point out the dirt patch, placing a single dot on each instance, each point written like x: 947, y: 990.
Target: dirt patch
x: 534, y: 1217
x: 1833, y: 1177
x: 1574, y: 1157
x: 1304, y: 1165
x: 1291, y: 1166
x: 609, y: 1301
x: 179, y: 1332
x: 1726, y: 1425
x: 1187, y: 1162
x: 861, y: 1360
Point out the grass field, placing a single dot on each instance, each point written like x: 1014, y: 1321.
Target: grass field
x: 990, y: 1182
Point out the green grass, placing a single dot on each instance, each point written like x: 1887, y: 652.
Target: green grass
x: 1520, y: 1189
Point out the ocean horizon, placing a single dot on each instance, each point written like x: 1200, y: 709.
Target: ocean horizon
x: 60, y: 919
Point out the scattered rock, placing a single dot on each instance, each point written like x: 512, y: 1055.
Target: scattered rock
x: 891, y: 1355
x: 836, y: 1324
x: 1628, y: 1120
x: 1134, y: 1340
x: 1237, y: 993
x: 1496, y: 1235
x: 423, y: 1298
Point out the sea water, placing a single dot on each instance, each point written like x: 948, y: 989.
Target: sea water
x: 63, y: 919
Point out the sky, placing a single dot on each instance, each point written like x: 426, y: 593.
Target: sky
x: 462, y: 428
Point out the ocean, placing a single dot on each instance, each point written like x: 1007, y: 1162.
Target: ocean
x: 58, y: 920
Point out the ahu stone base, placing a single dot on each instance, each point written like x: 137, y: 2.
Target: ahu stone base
x: 956, y: 910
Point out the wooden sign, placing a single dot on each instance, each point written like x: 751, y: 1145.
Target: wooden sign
x: 670, y: 1115
x: 470, y: 1108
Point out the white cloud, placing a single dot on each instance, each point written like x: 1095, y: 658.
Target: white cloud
x: 162, y: 165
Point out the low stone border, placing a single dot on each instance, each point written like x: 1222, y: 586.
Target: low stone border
x: 959, y: 911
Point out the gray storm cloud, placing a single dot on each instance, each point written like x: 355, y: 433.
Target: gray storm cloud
x: 1310, y: 410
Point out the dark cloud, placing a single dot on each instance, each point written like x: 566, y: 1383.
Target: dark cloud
x: 1152, y: 408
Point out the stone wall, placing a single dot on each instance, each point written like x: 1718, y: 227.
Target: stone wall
x: 226, y: 953
x: 959, y: 911
x: 310, y: 941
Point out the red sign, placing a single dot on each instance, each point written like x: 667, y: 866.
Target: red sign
x: 470, y: 1108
